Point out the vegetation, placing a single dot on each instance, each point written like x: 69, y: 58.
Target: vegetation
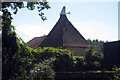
x: 17, y: 57
x: 117, y: 73
x: 43, y: 70
x: 79, y: 63
x: 21, y: 61
x: 94, y: 59
x: 63, y: 58
x: 15, y: 6
x: 96, y: 45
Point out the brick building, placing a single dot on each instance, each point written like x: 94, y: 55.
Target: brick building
x: 63, y: 35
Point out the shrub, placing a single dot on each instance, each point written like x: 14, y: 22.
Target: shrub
x: 94, y: 59
x: 79, y: 63
x: 117, y: 73
x: 43, y: 70
x: 63, y: 58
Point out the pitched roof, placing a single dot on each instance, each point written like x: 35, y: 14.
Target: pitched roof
x: 35, y: 42
x: 64, y: 34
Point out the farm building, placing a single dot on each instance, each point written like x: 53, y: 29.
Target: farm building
x: 63, y: 35
x: 112, y: 54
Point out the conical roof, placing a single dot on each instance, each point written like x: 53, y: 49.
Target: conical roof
x: 64, y: 34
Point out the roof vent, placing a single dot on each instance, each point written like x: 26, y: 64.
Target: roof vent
x: 63, y: 12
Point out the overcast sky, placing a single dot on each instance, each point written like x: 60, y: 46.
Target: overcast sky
x: 94, y: 20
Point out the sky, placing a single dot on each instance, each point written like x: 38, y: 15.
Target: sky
x: 94, y: 20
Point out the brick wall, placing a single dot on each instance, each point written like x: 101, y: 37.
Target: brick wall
x: 78, y: 51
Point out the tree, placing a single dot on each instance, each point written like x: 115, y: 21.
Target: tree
x: 96, y: 45
x: 15, y: 62
x: 94, y: 59
x: 15, y: 6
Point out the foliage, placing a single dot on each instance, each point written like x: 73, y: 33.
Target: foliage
x: 63, y: 63
x: 79, y: 63
x: 94, y: 59
x: 9, y: 44
x: 117, y: 73
x: 0, y: 24
x: 63, y: 58
x: 43, y: 70
x: 92, y: 55
x: 96, y: 45
x: 17, y: 57
x: 15, y: 6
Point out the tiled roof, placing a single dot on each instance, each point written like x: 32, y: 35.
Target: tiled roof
x: 64, y: 34
x: 35, y: 42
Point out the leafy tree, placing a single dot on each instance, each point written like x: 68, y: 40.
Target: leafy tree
x: 96, y: 45
x: 15, y: 6
x: 94, y: 59
x: 16, y: 56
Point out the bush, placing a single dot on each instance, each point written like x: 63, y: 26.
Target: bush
x: 94, y: 60
x: 43, y: 70
x: 79, y: 63
x: 63, y: 58
x: 117, y: 73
